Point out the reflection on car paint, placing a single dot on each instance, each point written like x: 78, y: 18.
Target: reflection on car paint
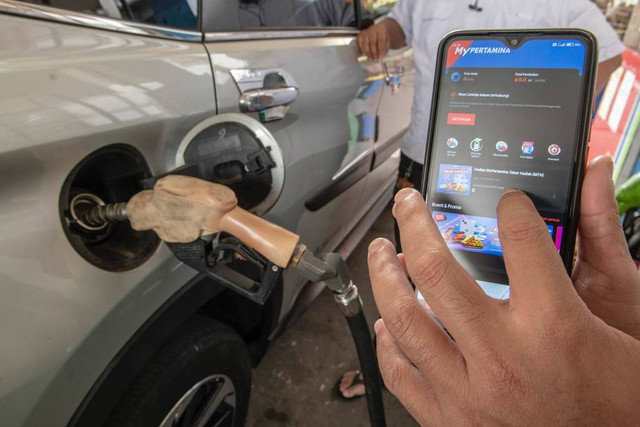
x: 362, y: 122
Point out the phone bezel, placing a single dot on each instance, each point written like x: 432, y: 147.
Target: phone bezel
x: 585, y: 108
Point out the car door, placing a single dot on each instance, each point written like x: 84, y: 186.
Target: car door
x: 327, y: 133
x: 397, y: 81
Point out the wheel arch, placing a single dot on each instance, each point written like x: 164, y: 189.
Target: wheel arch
x: 202, y: 295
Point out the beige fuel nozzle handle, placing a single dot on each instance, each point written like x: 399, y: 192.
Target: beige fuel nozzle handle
x: 182, y: 209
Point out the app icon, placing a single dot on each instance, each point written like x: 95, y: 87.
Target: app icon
x: 502, y: 146
x: 456, y: 77
x: 439, y: 217
x: 527, y: 148
x: 476, y: 144
x: 452, y: 143
x: 555, y: 150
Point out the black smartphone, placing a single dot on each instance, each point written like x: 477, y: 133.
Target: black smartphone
x: 511, y: 109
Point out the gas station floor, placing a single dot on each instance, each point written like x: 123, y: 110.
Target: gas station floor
x: 293, y: 384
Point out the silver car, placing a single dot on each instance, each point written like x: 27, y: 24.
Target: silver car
x: 104, y: 325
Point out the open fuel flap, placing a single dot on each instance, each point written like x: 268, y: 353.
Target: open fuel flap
x: 230, y: 149
x: 239, y: 152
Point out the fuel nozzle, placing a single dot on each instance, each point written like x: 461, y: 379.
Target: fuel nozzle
x: 92, y: 214
x: 182, y: 209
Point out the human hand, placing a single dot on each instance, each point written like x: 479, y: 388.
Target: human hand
x: 541, y: 357
x: 374, y: 42
x: 603, y: 276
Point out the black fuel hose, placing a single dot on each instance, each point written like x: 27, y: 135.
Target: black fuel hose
x: 369, y: 367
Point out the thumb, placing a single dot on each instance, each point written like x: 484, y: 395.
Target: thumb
x: 601, y: 239
x: 605, y: 276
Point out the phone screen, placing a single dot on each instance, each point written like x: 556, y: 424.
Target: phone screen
x: 506, y: 118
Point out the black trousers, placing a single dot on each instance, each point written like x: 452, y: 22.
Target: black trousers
x: 409, y: 176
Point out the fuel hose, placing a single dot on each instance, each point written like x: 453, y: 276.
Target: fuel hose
x: 369, y: 366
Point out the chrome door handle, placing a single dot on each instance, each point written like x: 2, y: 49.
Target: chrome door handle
x: 256, y: 100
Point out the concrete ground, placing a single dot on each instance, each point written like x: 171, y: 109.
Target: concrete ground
x: 293, y: 384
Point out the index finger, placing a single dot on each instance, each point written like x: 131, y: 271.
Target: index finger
x: 382, y: 42
x: 536, y: 272
x: 423, y: 342
x: 452, y: 294
x: 373, y: 46
x: 363, y: 44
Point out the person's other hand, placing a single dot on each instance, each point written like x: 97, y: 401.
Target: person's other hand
x: 542, y: 357
x: 374, y: 42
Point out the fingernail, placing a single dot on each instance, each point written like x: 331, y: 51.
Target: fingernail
x: 606, y: 159
x: 377, y: 326
x: 404, y: 194
x: 377, y: 244
x: 511, y: 190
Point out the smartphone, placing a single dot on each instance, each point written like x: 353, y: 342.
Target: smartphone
x: 511, y: 109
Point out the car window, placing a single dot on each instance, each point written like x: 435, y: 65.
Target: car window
x: 172, y: 13
x: 240, y: 15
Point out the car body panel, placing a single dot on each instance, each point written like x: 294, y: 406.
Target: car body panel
x: 66, y: 91
x: 393, y: 114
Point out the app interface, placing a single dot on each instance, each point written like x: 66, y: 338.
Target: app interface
x: 507, y: 118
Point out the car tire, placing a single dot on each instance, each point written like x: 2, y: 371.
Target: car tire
x: 203, y: 371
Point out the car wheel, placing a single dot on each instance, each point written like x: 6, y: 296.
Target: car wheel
x: 200, y: 377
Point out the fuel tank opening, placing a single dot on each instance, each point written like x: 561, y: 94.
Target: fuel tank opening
x: 82, y: 204
x: 83, y: 211
x: 109, y: 175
